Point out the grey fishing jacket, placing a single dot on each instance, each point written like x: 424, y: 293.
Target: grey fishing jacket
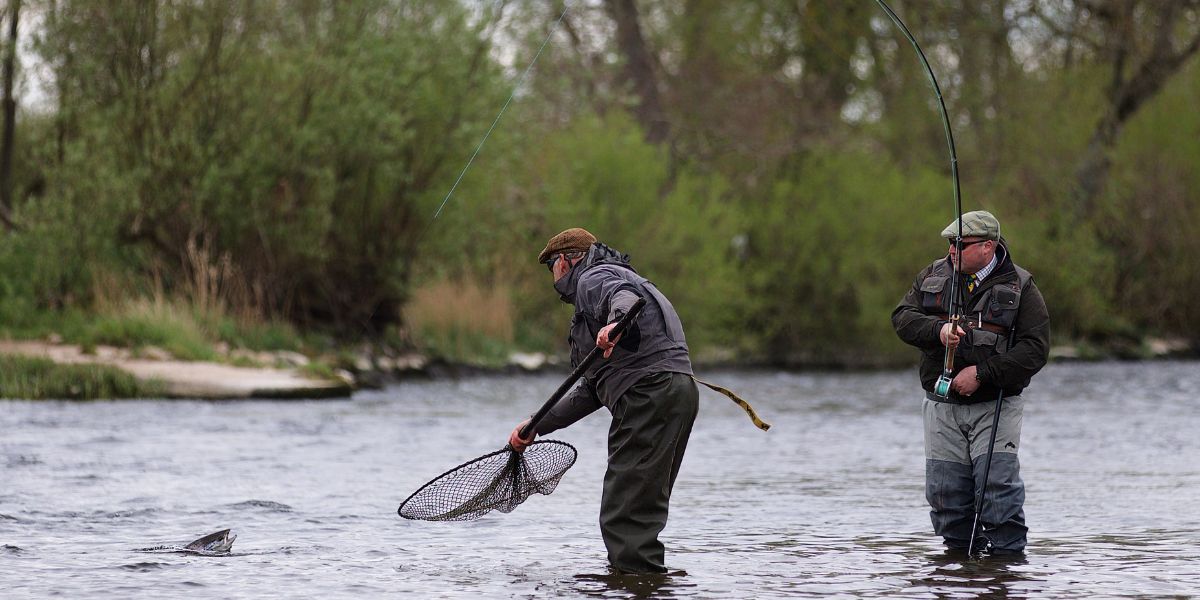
x: 603, y: 287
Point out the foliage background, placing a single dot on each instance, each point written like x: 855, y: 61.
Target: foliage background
x: 269, y: 171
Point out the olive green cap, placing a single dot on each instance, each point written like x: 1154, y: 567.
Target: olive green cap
x: 575, y: 239
x: 977, y: 223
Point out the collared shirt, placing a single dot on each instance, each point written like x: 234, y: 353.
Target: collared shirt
x: 984, y: 272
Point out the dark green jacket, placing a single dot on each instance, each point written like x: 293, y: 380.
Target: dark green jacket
x: 1006, y: 301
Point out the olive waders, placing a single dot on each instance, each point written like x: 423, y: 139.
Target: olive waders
x: 646, y: 441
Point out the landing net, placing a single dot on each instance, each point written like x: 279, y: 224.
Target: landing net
x: 498, y: 481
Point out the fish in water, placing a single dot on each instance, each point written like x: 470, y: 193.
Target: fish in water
x: 219, y: 542
x: 215, y: 543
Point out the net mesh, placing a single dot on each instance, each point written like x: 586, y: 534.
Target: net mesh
x: 497, y: 481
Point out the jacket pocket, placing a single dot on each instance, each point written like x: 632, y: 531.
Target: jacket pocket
x: 980, y: 345
x: 578, y: 337
x: 1002, y: 309
x: 933, y: 293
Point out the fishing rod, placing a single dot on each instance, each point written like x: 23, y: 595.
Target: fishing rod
x: 942, y: 387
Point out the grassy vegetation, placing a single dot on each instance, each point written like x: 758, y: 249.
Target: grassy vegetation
x: 184, y: 331
x: 38, y: 378
x: 178, y: 327
x: 784, y: 213
x: 142, y: 324
x: 463, y: 321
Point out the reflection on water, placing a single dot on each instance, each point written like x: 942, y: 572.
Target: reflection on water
x: 829, y: 502
x: 949, y: 576
x: 616, y: 585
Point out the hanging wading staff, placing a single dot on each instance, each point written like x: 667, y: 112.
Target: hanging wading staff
x: 942, y: 387
x: 987, y: 465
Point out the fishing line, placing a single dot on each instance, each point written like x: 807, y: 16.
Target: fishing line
x: 520, y: 82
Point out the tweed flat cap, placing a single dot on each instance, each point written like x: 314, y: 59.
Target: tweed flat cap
x: 575, y: 239
x: 977, y: 223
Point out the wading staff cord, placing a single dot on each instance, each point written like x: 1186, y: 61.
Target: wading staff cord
x: 754, y: 418
x: 942, y: 387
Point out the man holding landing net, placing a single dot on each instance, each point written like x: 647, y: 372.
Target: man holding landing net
x: 646, y: 384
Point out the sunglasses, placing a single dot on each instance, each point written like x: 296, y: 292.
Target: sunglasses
x: 554, y: 259
x: 966, y: 245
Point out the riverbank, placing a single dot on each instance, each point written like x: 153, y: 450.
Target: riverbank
x: 158, y: 374
x: 152, y: 372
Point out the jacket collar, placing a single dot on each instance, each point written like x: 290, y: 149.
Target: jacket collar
x: 598, y: 254
x: 1005, y: 270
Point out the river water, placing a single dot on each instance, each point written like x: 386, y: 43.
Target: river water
x: 829, y: 502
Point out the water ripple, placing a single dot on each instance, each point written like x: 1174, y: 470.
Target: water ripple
x: 144, y: 567
x: 830, y: 502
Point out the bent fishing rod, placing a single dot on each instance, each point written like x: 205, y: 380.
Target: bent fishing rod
x: 942, y: 387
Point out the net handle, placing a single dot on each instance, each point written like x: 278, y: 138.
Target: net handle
x: 579, y: 370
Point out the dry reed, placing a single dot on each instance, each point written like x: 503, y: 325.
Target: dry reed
x: 455, y: 316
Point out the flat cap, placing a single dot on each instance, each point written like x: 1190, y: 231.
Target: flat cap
x: 575, y: 239
x: 977, y: 223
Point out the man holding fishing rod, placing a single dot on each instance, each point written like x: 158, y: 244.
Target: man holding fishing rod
x: 983, y: 330
x: 646, y: 384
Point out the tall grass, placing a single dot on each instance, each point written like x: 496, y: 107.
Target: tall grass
x: 214, y: 304
x: 185, y: 330
x: 140, y: 323
x: 463, y: 320
x: 41, y: 378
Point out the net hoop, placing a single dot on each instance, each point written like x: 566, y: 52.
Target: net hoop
x: 559, y: 455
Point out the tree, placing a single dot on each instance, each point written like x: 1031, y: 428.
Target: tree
x: 639, y: 69
x: 1144, y: 43
x: 10, y: 116
x: 292, y: 148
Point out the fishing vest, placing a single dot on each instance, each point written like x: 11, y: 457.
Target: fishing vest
x: 988, y: 314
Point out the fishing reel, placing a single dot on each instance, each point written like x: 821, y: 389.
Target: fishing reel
x: 941, y: 388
